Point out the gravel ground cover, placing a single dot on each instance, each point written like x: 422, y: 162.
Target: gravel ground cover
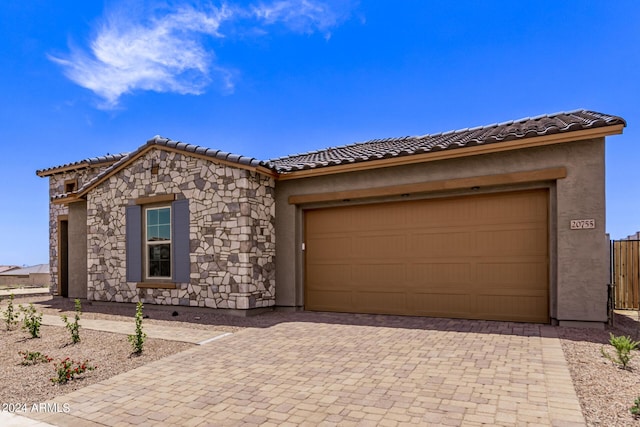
x: 111, y: 353
x: 606, y: 391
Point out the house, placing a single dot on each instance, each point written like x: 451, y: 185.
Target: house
x: 32, y: 276
x: 633, y: 236
x: 503, y: 222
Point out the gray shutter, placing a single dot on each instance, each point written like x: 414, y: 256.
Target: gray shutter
x: 134, y: 243
x: 180, y: 239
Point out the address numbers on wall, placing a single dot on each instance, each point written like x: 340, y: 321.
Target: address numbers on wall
x: 581, y: 224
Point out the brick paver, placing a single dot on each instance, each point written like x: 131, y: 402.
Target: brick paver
x: 329, y: 370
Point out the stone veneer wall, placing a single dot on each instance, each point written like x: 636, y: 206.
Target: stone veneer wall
x: 232, y: 233
x: 56, y: 187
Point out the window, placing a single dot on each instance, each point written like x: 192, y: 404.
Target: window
x: 158, y: 243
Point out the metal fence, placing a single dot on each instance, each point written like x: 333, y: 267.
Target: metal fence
x: 625, y: 273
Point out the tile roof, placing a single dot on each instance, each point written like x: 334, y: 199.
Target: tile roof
x: 91, y: 161
x: 165, y: 142
x: 376, y: 149
x: 209, y: 152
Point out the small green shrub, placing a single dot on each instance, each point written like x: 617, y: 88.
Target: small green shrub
x: 33, y: 357
x: 74, y: 327
x: 137, y: 340
x: 9, y: 315
x: 635, y: 409
x: 31, y: 320
x: 66, y: 371
x: 624, y: 345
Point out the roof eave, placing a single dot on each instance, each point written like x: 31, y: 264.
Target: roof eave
x: 74, y: 167
x: 48, y: 172
x: 66, y: 200
x: 516, y: 144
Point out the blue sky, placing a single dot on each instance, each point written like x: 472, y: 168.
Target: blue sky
x: 276, y: 77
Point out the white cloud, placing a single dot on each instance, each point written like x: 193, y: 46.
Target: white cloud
x: 298, y: 15
x: 163, y: 50
x: 164, y: 54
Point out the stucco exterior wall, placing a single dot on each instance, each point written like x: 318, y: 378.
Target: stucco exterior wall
x: 578, y: 267
x: 583, y: 255
x: 77, y: 246
x: 232, y: 233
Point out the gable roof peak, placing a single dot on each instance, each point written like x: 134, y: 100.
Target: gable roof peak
x: 159, y: 142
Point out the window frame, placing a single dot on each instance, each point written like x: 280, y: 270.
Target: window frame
x: 180, y: 241
x: 146, y: 243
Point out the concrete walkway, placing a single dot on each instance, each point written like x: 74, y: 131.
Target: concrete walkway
x: 326, y: 371
x: 171, y: 333
x: 20, y: 292
x: 8, y: 419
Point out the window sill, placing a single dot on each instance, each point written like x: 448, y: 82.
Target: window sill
x: 156, y: 285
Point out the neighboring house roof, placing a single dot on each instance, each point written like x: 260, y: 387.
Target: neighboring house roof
x: 4, y: 268
x: 81, y: 164
x: 25, y: 271
x: 378, y: 149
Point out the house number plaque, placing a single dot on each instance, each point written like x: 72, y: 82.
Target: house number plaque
x: 581, y: 224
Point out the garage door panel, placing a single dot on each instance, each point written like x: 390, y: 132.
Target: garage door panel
x: 519, y: 308
x: 519, y: 241
x: 477, y: 257
x: 328, y: 275
x: 383, y: 276
x: 378, y: 246
x: 387, y: 216
x: 330, y: 221
x: 452, y: 212
x: 512, y: 292
x: 446, y: 304
x: 381, y: 302
x: 443, y: 274
x: 529, y: 275
x: 329, y: 248
x: 438, y: 244
x: 330, y: 300
x: 511, y: 208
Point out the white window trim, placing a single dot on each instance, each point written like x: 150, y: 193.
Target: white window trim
x: 146, y: 243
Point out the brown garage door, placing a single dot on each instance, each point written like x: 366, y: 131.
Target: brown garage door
x: 475, y: 257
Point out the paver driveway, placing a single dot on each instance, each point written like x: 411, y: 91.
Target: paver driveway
x: 334, y: 369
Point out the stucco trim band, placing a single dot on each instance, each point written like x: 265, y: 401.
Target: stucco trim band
x: 433, y: 186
